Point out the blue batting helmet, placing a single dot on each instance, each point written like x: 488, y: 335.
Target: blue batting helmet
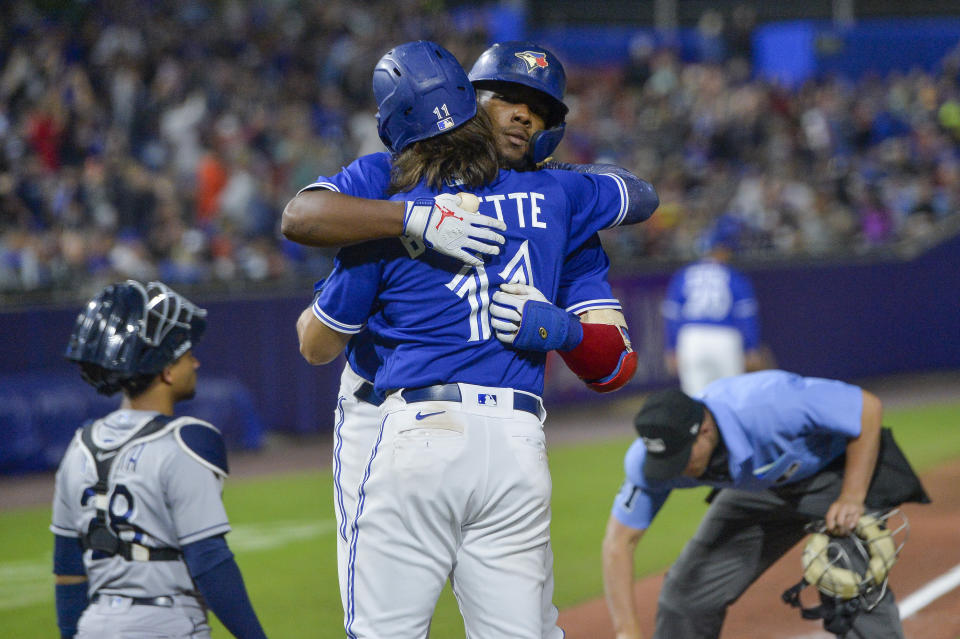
x: 726, y: 231
x: 421, y: 91
x: 129, y: 332
x: 532, y: 66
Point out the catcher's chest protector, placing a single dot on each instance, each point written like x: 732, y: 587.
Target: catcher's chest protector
x: 99, y: 537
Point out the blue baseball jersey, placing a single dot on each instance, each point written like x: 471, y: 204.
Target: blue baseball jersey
x: 778, y: 428
x: 708, y: 292
x: 583, y: 282
x: 432, y: 312
x: 367, y: 177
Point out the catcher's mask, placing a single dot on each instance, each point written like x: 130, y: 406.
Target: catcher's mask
x: 129, y: 332
x: 850, y: 572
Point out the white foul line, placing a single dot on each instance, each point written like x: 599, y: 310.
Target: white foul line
x: 936, y: 588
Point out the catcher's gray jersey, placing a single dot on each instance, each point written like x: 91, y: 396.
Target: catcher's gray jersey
x: 161, y: 494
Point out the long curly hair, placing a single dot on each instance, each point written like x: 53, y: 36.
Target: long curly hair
x: 468, y: 155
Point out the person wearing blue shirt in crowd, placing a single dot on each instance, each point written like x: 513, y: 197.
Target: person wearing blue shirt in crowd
x: 456, y: 485
x: 712, y: 329
x: 784, y: 451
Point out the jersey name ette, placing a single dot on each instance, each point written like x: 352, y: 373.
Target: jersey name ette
x: 431, y: 313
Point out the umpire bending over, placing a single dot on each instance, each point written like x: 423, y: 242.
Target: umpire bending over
x: 138, y: 519
x: 785, y: 450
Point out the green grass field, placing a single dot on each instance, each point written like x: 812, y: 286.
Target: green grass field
x: 284, y: 536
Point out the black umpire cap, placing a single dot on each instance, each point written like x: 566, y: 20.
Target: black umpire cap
x: 668, y: 424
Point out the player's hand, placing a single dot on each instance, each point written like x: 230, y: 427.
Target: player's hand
x: 450, y: 224
x: 507, y: 309
x: 843, y: 515
x: 523, y: 318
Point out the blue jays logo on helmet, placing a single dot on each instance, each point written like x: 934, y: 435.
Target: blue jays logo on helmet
x: 534, y: 59
x: 421, y: 91
x: 524, y: 63
x: 532, y: 66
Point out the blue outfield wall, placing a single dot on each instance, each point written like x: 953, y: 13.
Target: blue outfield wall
x: 834, y: 320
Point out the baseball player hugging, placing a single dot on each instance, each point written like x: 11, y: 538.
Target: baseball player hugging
x: 522, y: 101
x: 456, y: 484
x: 138, y: 520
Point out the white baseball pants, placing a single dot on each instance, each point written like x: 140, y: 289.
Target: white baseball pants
x: 456, y: 490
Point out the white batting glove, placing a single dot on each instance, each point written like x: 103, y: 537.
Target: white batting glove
x: 506, y: 312
x: 450, y: 224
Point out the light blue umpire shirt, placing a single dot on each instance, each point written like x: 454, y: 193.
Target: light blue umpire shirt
x: 778, y: 427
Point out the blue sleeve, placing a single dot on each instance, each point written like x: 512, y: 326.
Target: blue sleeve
x: 744, y: 313
x: 218, y: 579
x: 643, y: 198
x: 671, y: 308
x: 596, y: 202
x: 583, y: 280
x: 67, y: 556
x: 636, y: 504
x: 349, y: 293
x: 70, y: 599
x: 367, y: 177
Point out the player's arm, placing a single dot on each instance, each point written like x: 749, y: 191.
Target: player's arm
x: 447, y: 223
x: 619, y: 546
x: 670, y: 310
x: 70, y: 574
x: 192, y: 485
x: 643, y: 199
x: 861, y: 458
x: 759, y: 359
x: 599, y: 353
x: 634, y: 509
x: 218, y: 578
x: 746, y: 318
x: 604, y: 360
x: 342, y: 302
x: 70, y: 583
x: 321, y: 217
x: 319, y: 344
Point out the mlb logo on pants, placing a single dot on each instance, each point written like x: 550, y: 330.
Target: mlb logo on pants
x: 486, y: 399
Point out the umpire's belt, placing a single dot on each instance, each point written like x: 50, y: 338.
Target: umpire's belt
x: 164, y: 601
x: 365, y: 393
x: 451, y: 393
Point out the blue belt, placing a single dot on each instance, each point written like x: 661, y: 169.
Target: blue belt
x: 451, y: 393
x: 163, y: 601
x: 366, y: 394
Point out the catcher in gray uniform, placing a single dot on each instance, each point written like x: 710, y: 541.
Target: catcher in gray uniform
x: 138, y: 519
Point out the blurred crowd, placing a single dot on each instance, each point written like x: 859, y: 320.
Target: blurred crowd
x: 161, y: 139
x: 832, y: 167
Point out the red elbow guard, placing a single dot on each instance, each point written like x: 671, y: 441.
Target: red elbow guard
x: 602, y: 359
x: 620, y: 377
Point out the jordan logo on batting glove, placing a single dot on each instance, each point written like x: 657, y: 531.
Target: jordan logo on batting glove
x: 444, y: 214
x: 464, y: 231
